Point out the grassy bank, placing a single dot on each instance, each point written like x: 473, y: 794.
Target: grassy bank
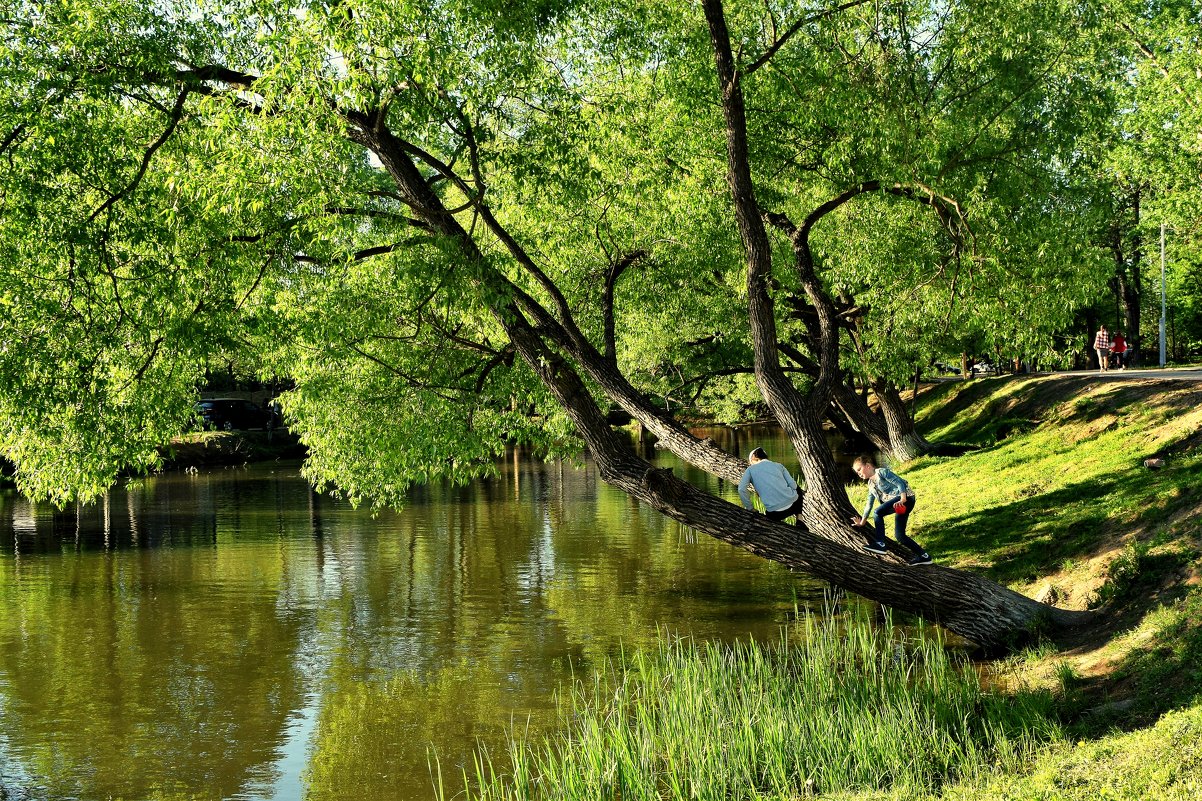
x: 853, y: 705
x: 1056, y: 503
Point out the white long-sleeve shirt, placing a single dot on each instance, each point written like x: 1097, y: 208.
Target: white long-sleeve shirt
x: 772, y: 482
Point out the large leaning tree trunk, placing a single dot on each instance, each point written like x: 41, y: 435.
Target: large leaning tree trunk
x: 557, y: 352
x: 980, y: 610
x: 986, y: 613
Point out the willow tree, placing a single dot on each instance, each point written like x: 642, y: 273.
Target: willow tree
x: 449, y: 223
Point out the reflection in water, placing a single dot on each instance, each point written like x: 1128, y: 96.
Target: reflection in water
x: 234, y: 635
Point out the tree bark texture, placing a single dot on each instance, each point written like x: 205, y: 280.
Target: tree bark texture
x: 981, y: 610
x: 905, y: 443
x: 994, y: 617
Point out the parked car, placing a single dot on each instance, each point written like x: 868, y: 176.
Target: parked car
x: 946, y: 369
x: 981, y: 368
x: 228, y: 414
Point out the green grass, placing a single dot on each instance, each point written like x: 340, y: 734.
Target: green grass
x: 1065, y: 489
x: 850, y: 706
x: 1157, y: 668
x: 1162, y: 763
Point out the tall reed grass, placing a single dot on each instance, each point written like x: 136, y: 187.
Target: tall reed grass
x: 847, y: 705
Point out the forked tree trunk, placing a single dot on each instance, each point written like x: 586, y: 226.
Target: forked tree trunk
x: 975, y: 608
x: 980, y: 610
x: 869, y: 424
x: 891, y: 429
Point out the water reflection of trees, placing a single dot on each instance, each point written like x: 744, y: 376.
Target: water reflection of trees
x: 524, y: 592
x: 172, y: 640
x: 121, y: 679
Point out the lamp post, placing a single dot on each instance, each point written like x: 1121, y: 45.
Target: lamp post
x: 1162, y: 296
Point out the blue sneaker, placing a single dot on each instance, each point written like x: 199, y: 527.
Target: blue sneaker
x: 877, y: 547
x: 921, y: 559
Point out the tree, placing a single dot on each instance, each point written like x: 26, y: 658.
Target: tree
x: 1148, y: 157
x: 438, y: 221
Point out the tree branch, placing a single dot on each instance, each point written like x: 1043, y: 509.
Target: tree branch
x: 607, y: 301
x: 793, y: 29
x: 511, y: 244
x: 12, y: 137
x: 1150, y: 55
x: 918, y: 193
x: 503, y: 356
x: 177, y: 114
x: 440, y: 391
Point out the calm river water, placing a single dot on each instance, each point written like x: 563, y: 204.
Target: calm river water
x: 232, y: 635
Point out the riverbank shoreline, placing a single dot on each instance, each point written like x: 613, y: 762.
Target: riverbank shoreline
x: 224, y: 448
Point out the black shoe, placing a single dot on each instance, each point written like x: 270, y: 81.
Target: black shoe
x: 874, y: 548
x: 921, y: 559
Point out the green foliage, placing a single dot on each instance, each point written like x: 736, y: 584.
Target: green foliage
x: 191, y: 185
x: 1144, y: 162
x: 936, y: 108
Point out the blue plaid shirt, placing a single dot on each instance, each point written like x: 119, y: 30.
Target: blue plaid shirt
x: 883, y: 485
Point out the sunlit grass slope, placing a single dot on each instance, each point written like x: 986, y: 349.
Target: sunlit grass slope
x: 1060, y: 481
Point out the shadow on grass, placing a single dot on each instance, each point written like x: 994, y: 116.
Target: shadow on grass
x: 1160, y: 675
x: 987, y: 411
x: 1010, y: 536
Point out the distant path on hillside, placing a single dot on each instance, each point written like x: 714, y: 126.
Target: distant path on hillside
x: 1172, y: 373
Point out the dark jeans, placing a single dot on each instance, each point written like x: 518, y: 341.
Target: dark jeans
x: 795, y: 509
x: 899, y: 524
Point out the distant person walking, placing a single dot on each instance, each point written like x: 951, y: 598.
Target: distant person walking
x: 1118, y: 351
x: 888, y: 494
x: 1101, y: 344
x: 772, y: 482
